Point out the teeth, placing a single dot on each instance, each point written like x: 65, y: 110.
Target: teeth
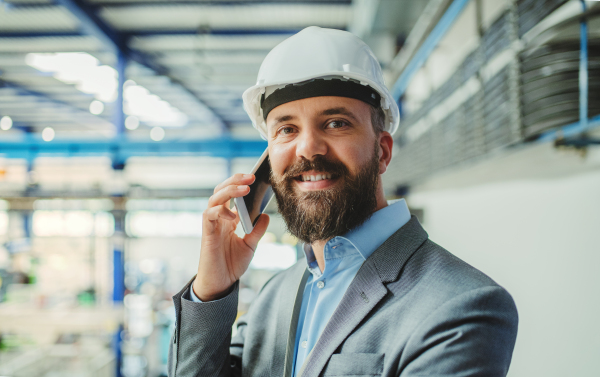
x: 314, y: 178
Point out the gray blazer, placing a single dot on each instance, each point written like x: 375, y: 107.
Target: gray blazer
x: 413, y: 309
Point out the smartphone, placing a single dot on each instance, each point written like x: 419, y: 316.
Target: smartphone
x: 251, y: 206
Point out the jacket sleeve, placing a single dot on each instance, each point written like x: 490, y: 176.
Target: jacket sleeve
x: 473, y: 334
x: 201, y: 344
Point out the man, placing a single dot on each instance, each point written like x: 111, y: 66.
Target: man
x: 374, y: 297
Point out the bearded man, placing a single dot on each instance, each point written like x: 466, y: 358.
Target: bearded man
x: 374, y: 297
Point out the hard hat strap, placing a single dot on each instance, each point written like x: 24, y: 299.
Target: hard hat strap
x: 320, y: 88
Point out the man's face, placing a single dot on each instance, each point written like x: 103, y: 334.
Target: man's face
x: 326, y: 160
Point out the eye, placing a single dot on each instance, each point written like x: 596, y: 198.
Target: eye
x: 285, y: 130
x: 337, y: 124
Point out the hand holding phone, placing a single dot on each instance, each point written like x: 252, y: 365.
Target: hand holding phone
x: 252, y: 205
x: 224, y: 257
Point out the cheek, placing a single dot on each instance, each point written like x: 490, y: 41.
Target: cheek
x: 355, y: 156
x: 280, y: 159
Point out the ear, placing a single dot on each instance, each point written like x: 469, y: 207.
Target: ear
x: 386, y: 142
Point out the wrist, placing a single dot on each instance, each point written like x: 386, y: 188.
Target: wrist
x: 205, y: 295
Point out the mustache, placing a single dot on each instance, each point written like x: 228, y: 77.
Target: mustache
x: 319, y: 163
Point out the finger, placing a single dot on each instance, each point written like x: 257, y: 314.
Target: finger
x: 226, y: 194
x: 219, y: 212
x: 259, y: 230
x: 236, y: 179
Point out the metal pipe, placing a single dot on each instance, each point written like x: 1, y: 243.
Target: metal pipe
x: 118, y: 114
x: 583, y: 72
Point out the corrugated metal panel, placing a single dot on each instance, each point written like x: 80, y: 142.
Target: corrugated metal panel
x: 205, y: 42
x: 200, y: 58
x: 186, y: 17
x: 45, y: 18
x: 49, y: 44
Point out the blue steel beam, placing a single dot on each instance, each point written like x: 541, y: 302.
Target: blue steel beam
x: 120, y: 149
x: 430, y: 43
x: 91, y: 24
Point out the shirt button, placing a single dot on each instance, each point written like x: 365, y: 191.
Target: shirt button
x: 320, y: 284
x: 303, y: 344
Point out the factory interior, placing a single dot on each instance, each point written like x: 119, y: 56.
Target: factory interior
x: 119, y: 117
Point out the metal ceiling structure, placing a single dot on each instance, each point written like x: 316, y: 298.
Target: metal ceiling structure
x: 198, y: 56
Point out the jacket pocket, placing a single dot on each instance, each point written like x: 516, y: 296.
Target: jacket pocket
x: 354, y: 364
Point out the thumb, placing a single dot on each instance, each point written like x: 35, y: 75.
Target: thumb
x: 259, y: 230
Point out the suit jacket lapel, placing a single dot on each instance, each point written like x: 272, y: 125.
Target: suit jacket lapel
x: 361, y: 297
x: 289, y: 301
x: 365, y: 292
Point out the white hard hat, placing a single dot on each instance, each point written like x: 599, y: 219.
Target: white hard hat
x: 315, y: 53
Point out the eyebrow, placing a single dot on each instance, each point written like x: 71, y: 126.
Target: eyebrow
x: 281, y: 119
x: 284, y: 118
x: 339, y: 111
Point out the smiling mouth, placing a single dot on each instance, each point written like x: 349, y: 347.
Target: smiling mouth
x: 313, y: 177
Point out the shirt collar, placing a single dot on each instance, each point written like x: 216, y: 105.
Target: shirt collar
x: 366, y: 238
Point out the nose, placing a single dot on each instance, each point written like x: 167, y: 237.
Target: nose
x: 310, y: 143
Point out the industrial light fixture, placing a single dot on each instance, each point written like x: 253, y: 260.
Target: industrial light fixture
x: 48, y: 134
x: 85, y: 72
x: 150, y: 108
x: 81, y: 69
x: 96, y: 107
x: 157, y: 134
x: 132, y: 122
x: 6, y: 123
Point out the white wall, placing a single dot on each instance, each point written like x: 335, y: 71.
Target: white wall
x: 540, y: 239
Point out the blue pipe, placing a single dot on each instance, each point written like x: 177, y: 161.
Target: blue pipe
x: 583, y: 72
x: 118, y: 276
x: 120, y: 149
x: 570, y: 130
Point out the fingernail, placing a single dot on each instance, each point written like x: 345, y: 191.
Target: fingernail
x: 247, y: 175
x: 243, y: 187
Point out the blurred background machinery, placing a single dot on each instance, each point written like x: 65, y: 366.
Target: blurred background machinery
x: 521, y: 81
x: 118, y: 118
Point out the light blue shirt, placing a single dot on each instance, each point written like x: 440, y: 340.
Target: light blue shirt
x: 343, y: 257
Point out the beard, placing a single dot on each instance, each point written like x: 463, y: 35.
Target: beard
x: 323, y: 214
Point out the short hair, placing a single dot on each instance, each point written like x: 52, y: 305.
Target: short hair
x: 377, y: 119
